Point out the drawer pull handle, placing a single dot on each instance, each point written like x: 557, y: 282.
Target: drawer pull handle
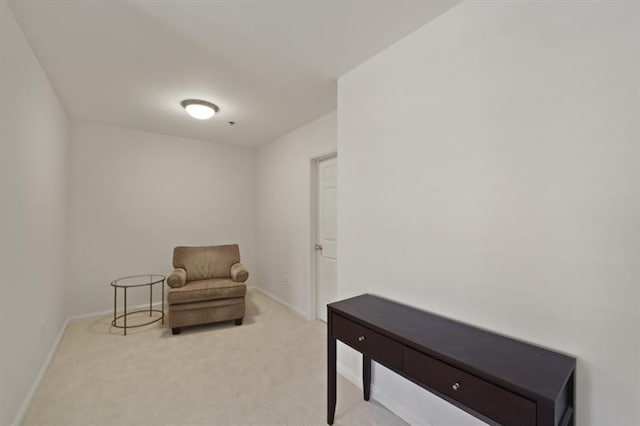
x: 361, y: 339
x: 455, y: 386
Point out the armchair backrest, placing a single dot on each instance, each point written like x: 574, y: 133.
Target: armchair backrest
x: 203, y: 263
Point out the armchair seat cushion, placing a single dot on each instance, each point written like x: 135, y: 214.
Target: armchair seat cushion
x: 202, y: 290
x: 207, y: 304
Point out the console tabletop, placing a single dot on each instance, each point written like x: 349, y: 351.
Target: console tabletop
x: 499, y: 380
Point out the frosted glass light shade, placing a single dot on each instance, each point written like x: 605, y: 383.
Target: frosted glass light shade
x: 201, y: 110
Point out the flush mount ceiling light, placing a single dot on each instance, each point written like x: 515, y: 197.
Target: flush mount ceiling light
x: 201, y: 110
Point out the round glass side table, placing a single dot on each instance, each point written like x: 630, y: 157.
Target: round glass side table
x: 147, y: 280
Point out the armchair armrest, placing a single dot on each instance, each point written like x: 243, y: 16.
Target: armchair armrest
x: 177, y: 278
x: 238, y: 273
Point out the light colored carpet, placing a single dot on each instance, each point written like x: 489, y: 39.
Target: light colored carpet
x: 269, y: 371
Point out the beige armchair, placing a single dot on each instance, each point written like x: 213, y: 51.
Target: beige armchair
x: 207, y: 285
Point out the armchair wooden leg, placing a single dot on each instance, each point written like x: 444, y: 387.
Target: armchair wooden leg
x: 239, y: 321
x: 176, y: 330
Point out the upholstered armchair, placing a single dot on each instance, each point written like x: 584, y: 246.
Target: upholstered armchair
x: 207, y: 285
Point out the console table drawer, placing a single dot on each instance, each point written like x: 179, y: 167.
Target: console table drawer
x: 487, y: 399
x: 367, y: 341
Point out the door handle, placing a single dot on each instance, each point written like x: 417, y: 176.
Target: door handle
x: 318, y: 247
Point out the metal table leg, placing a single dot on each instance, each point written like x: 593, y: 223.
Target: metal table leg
x: 125, y: 311
x: 150, y: 295
x: 162, y: 284
x: 115, y: 304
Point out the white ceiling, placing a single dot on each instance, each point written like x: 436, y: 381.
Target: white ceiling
x: 271, y: 65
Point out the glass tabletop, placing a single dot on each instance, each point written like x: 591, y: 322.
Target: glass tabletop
x: 138, y: 280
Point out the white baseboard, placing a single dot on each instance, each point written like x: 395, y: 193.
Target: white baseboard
x: 383, y: 398
x: 74, y: 318
x: 297, y: 311
x: 377, y: 394
x: 396, y: 406
x: 45, y: 365
x: 350, y: 376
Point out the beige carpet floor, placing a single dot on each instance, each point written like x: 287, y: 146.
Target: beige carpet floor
x: 269, y: 371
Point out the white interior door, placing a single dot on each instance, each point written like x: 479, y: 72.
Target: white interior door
x: 327, y: 236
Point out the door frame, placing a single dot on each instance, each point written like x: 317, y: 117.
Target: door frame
x: 313, y: 172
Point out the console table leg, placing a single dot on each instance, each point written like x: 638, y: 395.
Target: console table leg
x: 331, y: 378
x: 366, y: 376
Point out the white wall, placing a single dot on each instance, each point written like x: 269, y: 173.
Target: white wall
x: 33, y: 199
x: 283, y: 216
x: 489, y: 172
x: 135, y: 195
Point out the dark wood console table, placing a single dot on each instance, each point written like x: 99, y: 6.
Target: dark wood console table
x: 499, y: 380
